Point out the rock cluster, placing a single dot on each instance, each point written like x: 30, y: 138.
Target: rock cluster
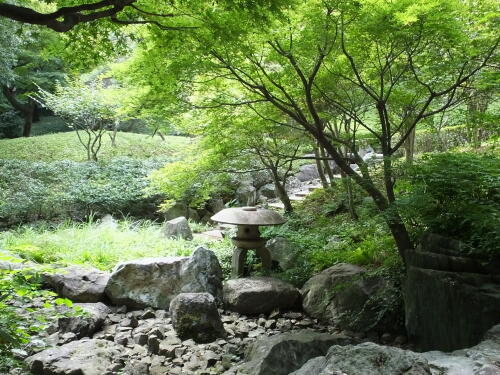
x: 154, y: 282
x: 145, y: 342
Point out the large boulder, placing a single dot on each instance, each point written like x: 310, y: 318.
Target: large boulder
x: 446, y: 292
x: 83, y: 357
x: 155, y: 282
x: 178, y: 228
x: 367, y: 358
x: 307, y: 172
x: 268, y: 191
x: 79, y: 284
x: 257, y: 295
x: 178, y: 209
x: 482, y: 359
x: 246, y: 195
x: 282, y: 251
x: 340, y: 294
x: 195, y: 316
x: 283, y: 353
x: 85, y: 324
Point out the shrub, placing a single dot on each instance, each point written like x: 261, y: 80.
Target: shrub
x: 58, y: 190
x: 11, y: 124
x: 456, y: 195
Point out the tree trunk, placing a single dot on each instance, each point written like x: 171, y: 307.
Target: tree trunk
x: 28, y: 121
x: 409, y: 146
x: 393, y: 220
x: 27, y: 109
x: 283, y: 196
x: 322, y: 177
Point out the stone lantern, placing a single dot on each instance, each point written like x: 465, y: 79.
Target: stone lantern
x: 248, y: 236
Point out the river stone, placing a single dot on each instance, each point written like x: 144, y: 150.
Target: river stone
x: 79, y: 284
x: 83, y: 357
x: 340, y: 292
x: 178, y: 228
x: 284, y: 353
x: 307, y: 172
x: 445, y: 293
x: 154, y: 282
x: 367, y: 358
x: 481, y: 359
x: 85, y: 324
x: 257, y: 295
x: 246, y: 194
x: 195, y: 316
x: 268, y: 191
x: 282, y: 251
x: 178, y: 209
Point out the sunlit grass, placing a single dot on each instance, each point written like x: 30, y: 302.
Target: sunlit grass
x: 65, y: 146
x: 101, y: 245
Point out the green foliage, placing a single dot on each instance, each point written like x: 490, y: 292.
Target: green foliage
x: 456, y: 195
x: 32, y: 191
x: 65, y: 146
x: 103, y: 246
x: 84, y: 106
x: 194, y: 180
x: 11, y: 124
x: 324, y: 234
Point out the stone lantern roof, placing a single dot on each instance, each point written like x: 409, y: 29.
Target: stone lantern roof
x: 248, y: 216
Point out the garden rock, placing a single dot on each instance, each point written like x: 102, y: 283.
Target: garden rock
x: 83, y: 357
x: 178, y: 228
x: 255, y: 295
x: 195, y: 316
x: 246, y: 195
x: 338, y: 295
x: 284, y: 353
x: 446, y: 292
x: 85, y: 324
x: 268, y: 191
x: 367, y: 358
x: 307, y: 172
x: 482, y: 359
x: 155, y: 282
x: 79, y: 284
x: 177, y: 210
x: 282, y: 251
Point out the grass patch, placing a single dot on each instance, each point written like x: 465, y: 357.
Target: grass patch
x: 103, y: 246
x: 65, y: 146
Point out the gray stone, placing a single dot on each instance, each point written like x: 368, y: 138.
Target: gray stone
x: 367, y: 358
x: 282, y: 251
x: 215, y: 205
x: 284, y: 353
x: 178, y: 228
x: 255, y: 295
x: 83, y: 357
x: 268, y: 191
x: 108, y: 222
x: 155, y: 282
x: 195, y: 316
x: 339, y: 295
x: 307, y: 172
x: 79, y: 284
x: 178, y: 209
x: 246, y: 195
x: 446, y: 292
x: 86, y: 323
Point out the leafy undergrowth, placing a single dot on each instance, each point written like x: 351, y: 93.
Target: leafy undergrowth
x: 104, y: 245
x: 65, y: 146
x: 324, y: 234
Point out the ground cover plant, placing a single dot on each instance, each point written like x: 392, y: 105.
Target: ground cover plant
x: 65, y: 146
x: 104, y: 245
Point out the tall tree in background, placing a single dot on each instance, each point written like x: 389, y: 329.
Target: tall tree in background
x: 26, y: 65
